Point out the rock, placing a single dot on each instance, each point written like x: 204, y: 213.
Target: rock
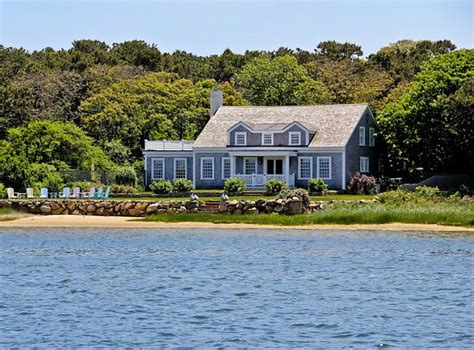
x: 135, y: 212
x: 171, y: 211
x: 194, y: 210
x: 71, y: 206
x: 279, y: 208
x: 128, y: 205
x: 238, y: 211
x: 191, y: 205
x: 269, y: 209
x: 182, y: 209
x: 251, y: 211
x: 100, y: 211
x: 55, y: 205
x: 91, y: 208
x: 141, y: 205
x: 162, y: 211
x: 57, y: 211
x: 152, y: 208
x: 76, y: 212
x: 222, y: 207
x: 45, y: 209
x: 294, y: 207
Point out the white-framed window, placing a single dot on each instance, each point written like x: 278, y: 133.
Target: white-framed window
x: 207, y: 168
x: 362, y: 136
x: 305, y: 168
x: 158, y: 169
x: 371, y: 137
x: 225, y: 168
x: 250, y: 166
x: 323, y: 170
x: 180, y: 168
x: 364, y: 164
x: 267, y: 139
x: 295, y: 138
x: 241, y: 138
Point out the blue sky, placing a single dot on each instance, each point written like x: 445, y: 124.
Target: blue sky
x: 206, y: 27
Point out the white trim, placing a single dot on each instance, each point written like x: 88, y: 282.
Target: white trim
x: 185, y: 167
x: 265, y: 167
x: 371, y: 136
x: 244, y: 163
x: 291, y: 133
x: 263, y: 138
x: 162, y: 160
x: 310, y: 167
x: 318, y: 159
x: 237, y: 125
x: 361, y: 135
x: 361, y: 162
x: 240, y: 133
x: 259, y: 148
x: 222, y: 168
x: 213, y: 168
x: 168, y: 154
x: 194, y: 170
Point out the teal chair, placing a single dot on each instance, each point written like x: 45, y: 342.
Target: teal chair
x: 98, y: 194
x: 106, y: 193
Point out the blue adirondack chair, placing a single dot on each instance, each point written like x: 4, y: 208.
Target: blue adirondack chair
x: 98, y: 194
x: 106, y: 193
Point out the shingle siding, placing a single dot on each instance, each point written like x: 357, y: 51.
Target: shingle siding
x: 169, y: 165
x: 335, y: 183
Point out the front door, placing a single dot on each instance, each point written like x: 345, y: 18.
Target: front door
x: 274, y: 166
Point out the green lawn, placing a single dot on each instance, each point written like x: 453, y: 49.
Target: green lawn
x: 345, y: 214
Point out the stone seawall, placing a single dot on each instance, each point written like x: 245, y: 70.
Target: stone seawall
x: 143, y: 208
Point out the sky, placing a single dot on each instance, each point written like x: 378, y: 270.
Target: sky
x: 209, y: 27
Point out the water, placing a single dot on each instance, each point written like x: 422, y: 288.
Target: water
x: 235, y: 289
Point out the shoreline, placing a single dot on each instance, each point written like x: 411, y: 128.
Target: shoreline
x: 76, y: 221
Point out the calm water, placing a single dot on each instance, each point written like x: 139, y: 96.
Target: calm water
x: 242, y: 289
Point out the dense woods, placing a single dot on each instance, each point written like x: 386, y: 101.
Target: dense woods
x: 94, y: 104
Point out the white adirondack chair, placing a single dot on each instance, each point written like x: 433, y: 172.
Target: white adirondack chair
x: 11, y: 194
x: 44, y: 193
x: 89, y: 194
x: 66, y: 193
x: 30, y: 193
x: 76, y: 192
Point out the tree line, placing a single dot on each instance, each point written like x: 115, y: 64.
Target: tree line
x: 111, y: 98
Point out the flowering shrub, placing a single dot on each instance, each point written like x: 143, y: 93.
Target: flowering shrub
x: 361, y: 184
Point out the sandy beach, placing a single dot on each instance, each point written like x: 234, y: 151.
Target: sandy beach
x: 127, y: 222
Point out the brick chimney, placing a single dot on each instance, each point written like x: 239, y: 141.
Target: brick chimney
x: 216, y: 100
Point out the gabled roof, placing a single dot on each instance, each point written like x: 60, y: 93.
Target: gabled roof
x: 334, y: 124
x: 274, y: 127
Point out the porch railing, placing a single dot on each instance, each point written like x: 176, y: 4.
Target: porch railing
x: 260, y: 180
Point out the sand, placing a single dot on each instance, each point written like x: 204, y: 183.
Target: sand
x: 126, y: 222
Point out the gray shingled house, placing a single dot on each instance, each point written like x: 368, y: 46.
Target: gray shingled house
x: 291, y: 143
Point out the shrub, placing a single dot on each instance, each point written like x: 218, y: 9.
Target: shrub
x: 464, y: 190
x: 387, y: 184
x: 117, y: 188
x: 83, y: 185
x: 161, y: 187
x: 3, y: 191
x: 397, y: 196
x: 426, y: 192
x: 275, y: 186
x: 44, y: 175
x: 182, y: 185
x: 126, y: 176
x: 317, y: 185
x: 299, y: 193
x: 361, y: 184
x: 234, y: 185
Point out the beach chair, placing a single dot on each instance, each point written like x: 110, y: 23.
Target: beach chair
x: 98, y: 194
x: 12, y: 194
x: 44, y: 193
x: 89, y: 194
x: 106, y: 193
x: 30, y: 193
x: 76, y: 193
x: 66, y: 193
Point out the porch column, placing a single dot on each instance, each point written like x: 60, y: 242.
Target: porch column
x: 232, y: 165
x: 287, y: 169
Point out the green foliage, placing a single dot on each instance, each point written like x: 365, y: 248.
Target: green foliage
x: 361, y: 184
x: 317, y: 185
x: 161, y: 187
x: 44, y: 175
x: 432, y: 112
x: 182, y: 185
x: 275, y: 186
x: 279, y: 82
x: 126, y: 176
x: 123, y: 189
x: 3, y: 191
x: 234, y: 185
x: 387, y: 184
x: 338, y: 51
x: 426, y: 191
x: 421, y: 194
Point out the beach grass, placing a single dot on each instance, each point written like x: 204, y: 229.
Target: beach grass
x: 6, y: 214
x: 345, y: 214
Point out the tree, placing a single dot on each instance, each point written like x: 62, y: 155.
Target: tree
x: 138, y: 53
x: 337, y: 51
x: 431, y: 126
x: 279, y: 82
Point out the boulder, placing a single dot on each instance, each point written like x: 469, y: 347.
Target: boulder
x: 135, y: 212
x: 100, y: 211
x: 182, y: 209
x: 57, y: 211
x: 141, y: 205
x: 91, y: 208
x: 251, y: 211
x: 222, y: 207
x: 171, y: 210
x: 71, y: 206
x: 45, y: 209
x: 152, y: 208
x: 294, y: 207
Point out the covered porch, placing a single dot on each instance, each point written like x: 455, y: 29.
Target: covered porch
x: 256, y: 168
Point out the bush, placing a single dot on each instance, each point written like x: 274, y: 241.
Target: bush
x: 426, y: 192
x: 124, y: 189
x: 161, y: 187
x: 44, y: 175
x: 182, y: 185
x: 387, y: 184
x: 361, y: 184
x: 299, y: 193
x: 234, y: 185
x: 275, y: 186
x: 3, y: 191
x: 126, y: 176
x: 317, y: 185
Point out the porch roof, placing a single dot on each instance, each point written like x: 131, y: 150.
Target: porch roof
x: 260, y: 153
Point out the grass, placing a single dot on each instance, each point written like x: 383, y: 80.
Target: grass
x: 345, y: 214
x: 5, y: 214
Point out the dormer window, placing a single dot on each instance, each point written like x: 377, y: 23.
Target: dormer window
x: 267, y: 139
x: 295, y: 138
x: 240, y: 138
